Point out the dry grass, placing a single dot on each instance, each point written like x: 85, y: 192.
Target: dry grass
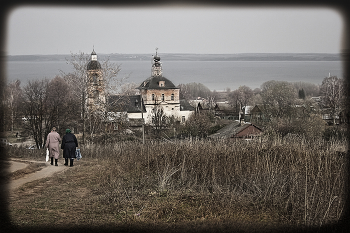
x: 193, y: 184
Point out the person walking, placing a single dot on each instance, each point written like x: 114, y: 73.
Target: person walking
x: 52, y: 144
x: 69, y: 145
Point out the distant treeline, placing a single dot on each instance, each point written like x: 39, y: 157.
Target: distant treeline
x: 194, y: 57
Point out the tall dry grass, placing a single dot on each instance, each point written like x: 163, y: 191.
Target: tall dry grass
x: 301, y: 181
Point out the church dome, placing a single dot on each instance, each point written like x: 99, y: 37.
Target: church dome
x: 155, y: 81
x: 93, y: 65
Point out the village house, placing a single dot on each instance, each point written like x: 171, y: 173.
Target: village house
x: 256, y: 114
x: 325, y: 112
x: 224, y: 110
x: 238, y: 130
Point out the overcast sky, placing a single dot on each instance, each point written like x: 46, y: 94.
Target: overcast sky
x: 34, y: 30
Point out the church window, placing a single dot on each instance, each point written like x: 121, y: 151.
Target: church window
x: 162, y: 97
x: 96, y: 96
x: 94, y: 79
x: 152, y: 97
x: 172, y: 96
x: 183, y: 118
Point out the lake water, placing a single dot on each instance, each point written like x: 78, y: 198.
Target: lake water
x: 216, y: 75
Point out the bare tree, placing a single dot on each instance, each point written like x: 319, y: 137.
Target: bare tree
x: 198, y: 125
x: 278, y: 98
x: 128, y: 89
x: 211, y: 102
x: 61, y: 104
x: 193, y: 90
x: 159, y: 119
x: 240, y: 97
x: 13, y: 95
x: 110, y: 72
x: 35, y: 109
x: 310, y: 89
x: 78, y: 81
x: 233, y: 98
x: 332, y: 94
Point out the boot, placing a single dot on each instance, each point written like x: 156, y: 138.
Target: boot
x: 51, y: 161
x: 65, y: 161
x: 71, y: 162
x: 56, y: 160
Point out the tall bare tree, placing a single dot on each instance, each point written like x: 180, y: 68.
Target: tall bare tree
x: 193, y: 90
x: 159, y: 119
x: 128, y: 89
x: 198, y: 125
x: 278, y: 98
x: 61, y: 104
x: 310, y: 89
x: 332, y: 95
x: 78, y: 82
x: 13, y: 96
x: 240, y: 97
x: 35, y: 109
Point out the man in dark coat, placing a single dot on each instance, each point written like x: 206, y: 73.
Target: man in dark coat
x: 69, y: 144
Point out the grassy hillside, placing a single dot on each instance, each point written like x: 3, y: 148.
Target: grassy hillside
x: 190, y: 185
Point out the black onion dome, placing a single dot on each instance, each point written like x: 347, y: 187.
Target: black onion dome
x: 153, y: 83
x: 93, y: 65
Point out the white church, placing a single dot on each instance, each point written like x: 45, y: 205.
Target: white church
x: 155, y: 91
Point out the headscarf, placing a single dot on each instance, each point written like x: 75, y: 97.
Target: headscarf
x: 68, y: 131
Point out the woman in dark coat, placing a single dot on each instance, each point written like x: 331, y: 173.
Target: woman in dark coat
x: 69, y: 144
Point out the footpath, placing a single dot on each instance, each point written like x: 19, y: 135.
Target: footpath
x: 46, y: 171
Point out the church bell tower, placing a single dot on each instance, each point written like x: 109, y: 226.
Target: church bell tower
x: 96, y: 99
x: 156, y: 65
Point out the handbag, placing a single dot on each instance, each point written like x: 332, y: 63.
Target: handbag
x: 78, y: 154
x: 47, y: 154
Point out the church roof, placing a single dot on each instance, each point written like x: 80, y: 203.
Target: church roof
x: 130, y: 104
x: 93, y: 65
x: 233, y: 129
x: 186, y: 106
x: 153, y: 83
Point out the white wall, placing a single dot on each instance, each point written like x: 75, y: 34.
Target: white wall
x: 167, y: 110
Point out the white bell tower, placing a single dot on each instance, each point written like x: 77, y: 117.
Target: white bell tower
x: 156, y: 65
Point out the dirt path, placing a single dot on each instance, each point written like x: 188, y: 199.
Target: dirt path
x: 14, y: 166
x: 47, y: 171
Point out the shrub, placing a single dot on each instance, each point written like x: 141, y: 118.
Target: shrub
x: 335, y: 133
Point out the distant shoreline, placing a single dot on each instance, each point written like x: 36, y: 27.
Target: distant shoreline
x: 192, y: 57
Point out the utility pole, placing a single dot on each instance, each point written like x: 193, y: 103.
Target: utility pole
x: 143, y: 124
